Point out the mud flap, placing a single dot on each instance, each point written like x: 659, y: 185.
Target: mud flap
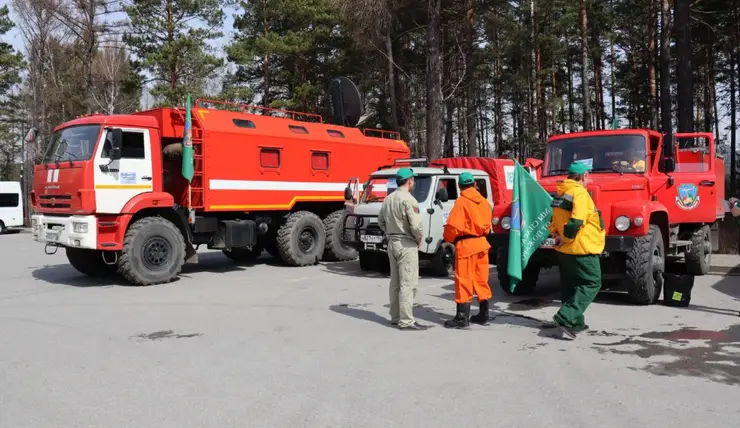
x: 191, y: 256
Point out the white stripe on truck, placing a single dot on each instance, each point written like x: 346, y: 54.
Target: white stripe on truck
x: 275, y: 185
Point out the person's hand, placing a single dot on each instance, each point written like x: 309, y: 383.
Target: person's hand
x: 733, y: 200
x: 558, y: 241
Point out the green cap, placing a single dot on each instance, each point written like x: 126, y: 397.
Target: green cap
x: 579, y: 168
x: 466, y: 178
x: 405, y: 174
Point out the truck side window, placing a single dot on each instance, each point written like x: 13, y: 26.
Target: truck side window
x: 270, y: 158
x: 451, y: 185
x: 132, y: 146
x: 481, y: 184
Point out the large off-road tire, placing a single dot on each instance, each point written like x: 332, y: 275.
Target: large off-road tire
x: 153, y: 252
x: 443, y: 262
x: 244, y: 255
x: 645, y: 264
x: 371, y: 261
x: 530, y: 276
x: 335, y: 251
x: 699, y: 254
x: 91, y: 262
x: 301, y: 239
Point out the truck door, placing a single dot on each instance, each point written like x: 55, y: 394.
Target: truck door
x: 118, y: 181
x: 693, y: 196
x: 438, y: 219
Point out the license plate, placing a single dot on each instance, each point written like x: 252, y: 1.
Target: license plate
x: 549, y: 243
x: 371, y: 239
x: 52, y: 236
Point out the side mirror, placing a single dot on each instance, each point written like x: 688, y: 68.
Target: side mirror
x: 116, y: 143
x: 442, y: 195
x: 347, y: 194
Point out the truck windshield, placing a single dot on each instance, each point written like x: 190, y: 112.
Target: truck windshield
x: 380, y: 187
x: 603, y: 153
x: 72, y: 144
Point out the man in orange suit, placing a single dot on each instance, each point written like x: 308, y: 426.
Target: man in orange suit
x: 467, y: 226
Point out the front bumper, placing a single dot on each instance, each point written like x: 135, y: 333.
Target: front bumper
x: 362, y: 233
x: 65, y: 231
x: 613, y: 244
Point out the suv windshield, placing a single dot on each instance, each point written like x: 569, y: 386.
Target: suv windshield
x: 380, y: 187
x: 72, y: 144
x: 604, y: 153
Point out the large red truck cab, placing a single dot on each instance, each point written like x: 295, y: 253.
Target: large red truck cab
x: 109, y: 189
x: 660, y: 201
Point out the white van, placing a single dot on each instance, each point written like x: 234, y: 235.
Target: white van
x: 11, y: 205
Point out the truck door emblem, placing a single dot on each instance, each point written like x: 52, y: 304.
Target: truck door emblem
x: 688, y: 196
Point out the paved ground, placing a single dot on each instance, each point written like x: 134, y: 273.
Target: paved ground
x: 268, y: 346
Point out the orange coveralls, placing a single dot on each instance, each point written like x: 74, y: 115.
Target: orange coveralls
x: 467, y: 226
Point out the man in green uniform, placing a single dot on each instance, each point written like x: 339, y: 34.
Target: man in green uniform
x: 400, y: 220
x: 579, y: 228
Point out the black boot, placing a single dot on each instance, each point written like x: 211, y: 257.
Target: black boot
x: 461, y: 320
x: 482, y: 317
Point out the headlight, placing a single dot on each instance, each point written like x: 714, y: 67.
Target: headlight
x: 638, y: 221
x: 495, y: 221
x: 506, y: 223
x: 622, y: 223
x: 79, y: 227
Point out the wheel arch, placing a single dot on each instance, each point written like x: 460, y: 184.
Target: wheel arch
x: 173, y: 216
x: 660, y: 219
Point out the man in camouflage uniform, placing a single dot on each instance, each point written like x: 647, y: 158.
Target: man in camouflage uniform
x: 399, y: 219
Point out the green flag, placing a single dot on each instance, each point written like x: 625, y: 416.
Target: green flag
x: 187, y: 145
x: 530, y: 218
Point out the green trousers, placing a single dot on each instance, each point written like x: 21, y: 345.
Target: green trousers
x: 580, y: 282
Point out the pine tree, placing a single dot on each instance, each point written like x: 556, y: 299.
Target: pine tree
x: 170, y: 39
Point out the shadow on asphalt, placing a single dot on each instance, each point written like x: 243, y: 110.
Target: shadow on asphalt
x: 65, y: 274
x: 352, y: 268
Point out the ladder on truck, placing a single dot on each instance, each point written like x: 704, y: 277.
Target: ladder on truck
x: 197, y: 184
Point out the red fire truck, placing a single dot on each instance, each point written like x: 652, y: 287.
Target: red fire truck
x: 660, y: 199
x: 111, y: 192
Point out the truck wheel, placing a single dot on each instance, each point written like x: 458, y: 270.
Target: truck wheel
x: 90, y: 262
x: 301, y: 239
x: 244, y: 255
x: 2, y: 228
x: 530, y: 276
x: 699, y: 254
x: 443, y: 262
x: 645, y: 265
x: 153, y: 252
x: 335, y: 251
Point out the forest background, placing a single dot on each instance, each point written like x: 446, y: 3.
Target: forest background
x: 454, y: 77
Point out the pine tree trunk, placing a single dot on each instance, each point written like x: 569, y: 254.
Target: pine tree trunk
x: 684, y: 73
x: 391, y: 79
x: 653, y: 96
x: 733, y: 120
x: 434, y: 81
x: 470, y: 87
x: 665, y: 68
x: 584, y: 68
x: 571, y: 107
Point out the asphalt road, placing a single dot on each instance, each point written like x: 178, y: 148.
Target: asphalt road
x: 270, y: 346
